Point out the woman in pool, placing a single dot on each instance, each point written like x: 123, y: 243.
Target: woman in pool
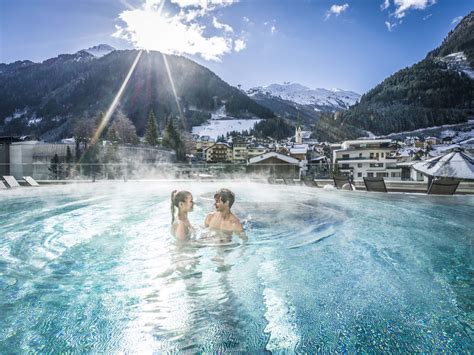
x: 181, y: 228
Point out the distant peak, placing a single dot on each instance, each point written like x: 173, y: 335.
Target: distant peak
x: 99, y: 51
x: 303, y: 95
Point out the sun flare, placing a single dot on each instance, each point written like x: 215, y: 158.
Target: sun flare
x: 151, y: 27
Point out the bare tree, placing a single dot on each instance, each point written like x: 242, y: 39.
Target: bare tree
x: 122, y: 130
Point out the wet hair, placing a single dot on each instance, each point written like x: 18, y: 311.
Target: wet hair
x: 225, y: 195
x: 176, y: 198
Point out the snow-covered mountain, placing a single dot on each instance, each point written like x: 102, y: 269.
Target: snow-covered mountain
x: 321, y: 99
x: 99, y: 50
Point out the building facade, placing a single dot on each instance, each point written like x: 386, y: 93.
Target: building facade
x: 199, y: 148
x: 367, y: 158
x: 255, y: 150
x: 239, y: 151
x: 219, y: 153
x: 274, y: 164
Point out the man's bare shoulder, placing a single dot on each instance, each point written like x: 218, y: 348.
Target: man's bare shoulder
x: 234, y: 218
x: 235, y: 222
x: 211, y: 215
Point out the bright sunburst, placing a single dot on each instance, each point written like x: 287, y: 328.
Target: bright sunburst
x: 150, y: 27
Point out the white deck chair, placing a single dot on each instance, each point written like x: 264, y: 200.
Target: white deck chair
x: 2, y: 185
x: 30, y: 181
x: 11, y: 181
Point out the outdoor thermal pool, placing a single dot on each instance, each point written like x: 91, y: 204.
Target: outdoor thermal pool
x: 93, y: 268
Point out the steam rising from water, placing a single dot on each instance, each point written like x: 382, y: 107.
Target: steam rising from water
x: 92, y: 268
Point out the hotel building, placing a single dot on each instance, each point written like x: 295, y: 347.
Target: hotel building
x: 367, y: 158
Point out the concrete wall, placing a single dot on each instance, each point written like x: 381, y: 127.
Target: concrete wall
x: 33, y: 158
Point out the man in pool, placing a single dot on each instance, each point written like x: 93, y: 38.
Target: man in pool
x: 223, y: 223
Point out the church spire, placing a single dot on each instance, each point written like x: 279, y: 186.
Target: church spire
x: 298, y: 136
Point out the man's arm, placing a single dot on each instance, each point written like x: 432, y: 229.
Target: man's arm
x: 239, y: 230
x: 207, y: 220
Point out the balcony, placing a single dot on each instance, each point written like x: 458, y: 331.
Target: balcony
x: 355, y: 158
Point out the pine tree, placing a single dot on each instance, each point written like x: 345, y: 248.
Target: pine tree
x: 69, y: 161
x: 56, y: 169
x: 151, y: 132
x: 172, y: 139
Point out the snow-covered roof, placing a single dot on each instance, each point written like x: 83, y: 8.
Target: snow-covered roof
x: 264, y: 156
x: 68, y: 140
x: 406, y: 152
x: 218, y: 143
x: 318, y: 158
x: 456, y: 164
x: 366, y: 141
x: 298, y: 150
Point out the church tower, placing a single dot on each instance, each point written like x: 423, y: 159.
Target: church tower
x: 298, y: 137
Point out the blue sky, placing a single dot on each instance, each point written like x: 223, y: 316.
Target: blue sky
x: 352, y: 45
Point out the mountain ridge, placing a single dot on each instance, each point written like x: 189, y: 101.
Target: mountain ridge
x: 432, y: 92
x: 294, y: 101
x: 62, y: 90
x: 330, y: 98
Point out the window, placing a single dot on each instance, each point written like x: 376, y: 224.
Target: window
x: 381, y: 154
x: 371, y: 155
x: 382, y: 175
x: 396, y: 174
x: 345, y: 156
x: 370, y: 174
x: 359, y: 174
x: 360, y: 155
x: 359, y: 165
x: 376, y: 165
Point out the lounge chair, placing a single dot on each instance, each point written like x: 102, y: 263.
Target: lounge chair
x: 443, y: 187
x: 30, y: 181
x: 342, y: 182
x: 376, y: 184
x: 11, y: 181
x: 279, y: 181
x: 2, y: 185
x: 289, y: 181
x: 310, y: 183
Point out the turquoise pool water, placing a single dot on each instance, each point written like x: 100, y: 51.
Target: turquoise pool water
x: 92, y: 268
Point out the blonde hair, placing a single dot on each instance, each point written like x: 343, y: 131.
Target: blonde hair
x: 176, y: 198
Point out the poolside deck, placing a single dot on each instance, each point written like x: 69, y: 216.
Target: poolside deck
x: 465, y: 187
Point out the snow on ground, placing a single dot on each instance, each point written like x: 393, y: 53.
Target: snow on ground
x: 219, y: 114
x: 461, y: 135
x: 218, y: 127
x: 458, y: 61
x: 447, y: 132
